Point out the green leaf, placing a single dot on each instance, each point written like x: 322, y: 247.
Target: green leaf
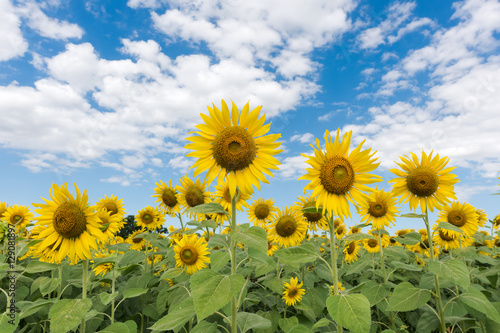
x: 286, y: 324
x: 294, y: 256
x: 8, y: 324
x: 49, y: 285
x: 132, y: 326
x: 39, y: 266
x: 407, y: 298
x: 357, y: 236
x: 476, y: 300
x: 172, y: 273
x: 204, y: 327
x: 133, y: 292
x: 253, y: 237
x: 454, y: 270
x: 67, y: 314
x: 247, y: 321
x: 211, y: 291
x: 300, y: 329
x: 219, y: 259
x: 449, y: 226
x: 176, y: 318
x: 374, y: 292
x: 351, y: 311
x: 411, y: 238
x: 413, y: 215
x: 428, y: 322
x: 106, y: 298
x: 219, y: 241
x: 313, y: 210
x: 29, y: 308
x: 116, y: 328
x: 323, y: 322
x: 406, y: 267
x: 132, y: 257
x: 208, y: 208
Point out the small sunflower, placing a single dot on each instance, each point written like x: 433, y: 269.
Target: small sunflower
x: 289, y: 229
x: 379, y: 209
x: 192, y: 194
x: 271, y: 247
x: 262, y: 212
x: 496, y: 222
x: 293, y: 292
x: 138, y: 243
x: 222, y: 197
x: 3, y: 208
x: 463, y: 216
x: 150, y: 218
x: 482, y: 217
x: 112, y: 204
x: 426, y: 182
x: 110, y: 224
x: 71, y: 227
x: 167, y: 197
x: 234, y: 147
x: 340, y: 228
x: 102, y: 268
x: 371, y: 245
x: 354, y: 230
x: 449, y: 241
x: 18, y: 216
x: 352, y: 251
x: 314, y: 220
x: 191, y: 253
x: 339, y: 176
x: 332, y: 288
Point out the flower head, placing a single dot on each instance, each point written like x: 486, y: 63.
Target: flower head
x: 191, y: 253
x: 293, y: 292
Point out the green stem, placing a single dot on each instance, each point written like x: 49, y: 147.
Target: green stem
x: 333, y: 248
x: 386, y: 278
x: 59, y: 268
x: 113, y: 299
x: 182, y: 224
x: 234, y: 301
x: 436, y: 280
x: 85, y: 267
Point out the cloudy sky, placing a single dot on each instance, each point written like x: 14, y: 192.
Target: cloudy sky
x: 103, y: 93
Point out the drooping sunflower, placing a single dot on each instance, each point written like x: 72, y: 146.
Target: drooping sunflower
x: 482, y: 217
x: 293, y: 292
x: 112, y: 204
x: 222, y: 196
x: 192, y: 194
x: 461, y: 215
x: 71, y: 227
x: 150, y: 218
x: 137, y: 243
x: 449, y: 241
x: 496, y: 222
x: 288, y: 229
x: 314, y: 220
x: 191, y: 253
x: 352, y: 251
x: 3, y: 208
x: 18, y: 216
x: 426, y: 183
x: 167, y: 197
x: 262, y: 212
x: 234, y: 147
x: 102, y: 268
x: 339, y: 176
x: 110, y: 224
x: 379, y: 209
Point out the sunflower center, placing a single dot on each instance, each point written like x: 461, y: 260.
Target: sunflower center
x: 377, y: 209
x: 445, y: 236
x: 372, y: 243
x: 425, y: 244
x: 457, y: 218
x: 312, y: 217
x: 15, y: 219
x: 227, y: 197
x: 351, y: 248
x: 147, y: 218
x: 137, y: 240
x: 422, y: 182
x: 355, y: 230
x: 234, y: 148
x: 286, y: 226
x: 392, y: 240
x: 168, y: 197
x: 188, y: 255
x: 337, y: 175
x: 340, y: 230
x: 111, y: 207
x: 292, y: 292
x: 69, y: 220
x: 261, y: 211
x: 194, y: 197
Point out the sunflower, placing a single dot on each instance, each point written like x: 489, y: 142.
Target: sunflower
x: 462, y: 216
x: 289, y: 229
x: 293, y: 292
x: 426, y: 182
x: 352, y: 251
x: 137, y: 243
x: 102, y: 268
x: 271, y: 247
x: 71, y: 227
x: 150, y: 218
x: 167, y: 197
x: 3, y: 208
x: 340, y: 228
x: 314, y: 220
x: 112, y: 204
x: 338, y: 176
x: 371, y: 245
x: 262, y: 212
x: 354, y: 230
x: 234, y: 147
x: 496, y: 222
x: 379, y: 209
x: 449, y: 241
x: 191, y: 253
x: 192, y: 194
x: 481, y: 217
x: 110, y: 224
x: 222, y: 197
x: 18, y: 216
x: 332, y: 288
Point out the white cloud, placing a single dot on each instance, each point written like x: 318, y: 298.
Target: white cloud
x: 145, y: 3
x: 303, y: 138
x: 12, y: 42
x: 293, y: 167
x: 180, y: 163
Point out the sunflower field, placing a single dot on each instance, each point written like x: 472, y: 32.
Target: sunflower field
x: 67, y: 264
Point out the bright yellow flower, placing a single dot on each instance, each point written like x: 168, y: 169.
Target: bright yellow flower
x: 18, y: 216
x: 222, y: 197
x: 3, y: 208
x: 138, y: 243
x: 426, y: 182
x: 150, y: 218
x: 482, y: 218
x: 111, y: 223
x: 462, y: 216
x: 449, y: 241
x: 289, y: 229
x: 379, y: 209
x: 112, y: 204
x: 371, y: 245
x: 234, y: 147
x: 314, y: 220
x: 191, y: 253
x: 192, y: 194
x: 339, y: 175
x: 262, y: 212
x: 167, y: 197
x: 293, y: 292
x: 352, y: 251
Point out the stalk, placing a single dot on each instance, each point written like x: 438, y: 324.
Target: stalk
x: 333, y: 248
x: 234, y: 301
x: 113, y: 299
x: 436, y: 280
x: 85, y: 267
x: 386, y: 278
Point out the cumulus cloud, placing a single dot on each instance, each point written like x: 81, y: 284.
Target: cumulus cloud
x: 303, y: 138
x: 12, y: 42
x: 293, y: 167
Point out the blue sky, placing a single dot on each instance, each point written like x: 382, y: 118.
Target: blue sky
x: 103, y: 93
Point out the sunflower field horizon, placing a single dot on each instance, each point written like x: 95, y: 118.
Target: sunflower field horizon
x: 72, y: 265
